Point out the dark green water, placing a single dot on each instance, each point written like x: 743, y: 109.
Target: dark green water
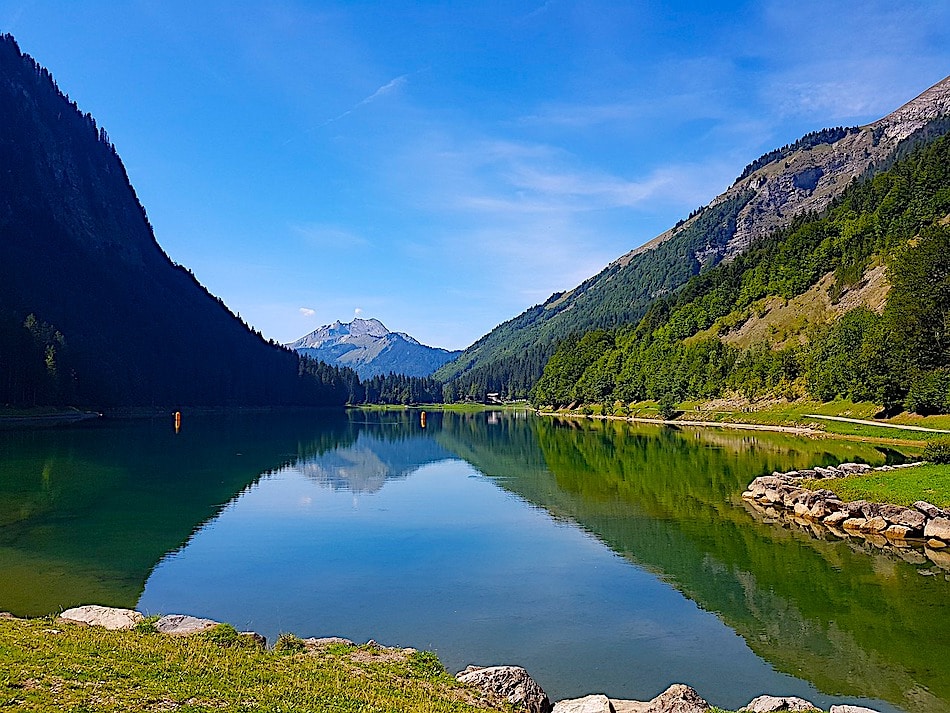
x: 603, y: 557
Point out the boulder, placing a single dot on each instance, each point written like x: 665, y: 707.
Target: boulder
x: 854, y: 508
x: 106, y: 617
x: 254, y: 639
x: 511, y: 683
x: 851, y: 709
x: 835, y: 518
x: 897, y: 532
x: 875, y: 524
x: 939, y: 528
x: 597, y: 703
x: 854, y: 523
x: 854, y: 468
x: 939, y: 557
x: 678, y: 698
x: 928, y: 509
x: 871, y: 510
x: 183, y: 625
x: 772, y: 704
x: 911, y: 518
x: 626, y: 706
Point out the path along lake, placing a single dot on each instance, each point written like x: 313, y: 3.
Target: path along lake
x: 601, y: 556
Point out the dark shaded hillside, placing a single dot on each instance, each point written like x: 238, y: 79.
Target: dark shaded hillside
x: 117, y: 323
x: 800, y: 178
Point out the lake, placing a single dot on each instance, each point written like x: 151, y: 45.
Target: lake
x: 601, y: 556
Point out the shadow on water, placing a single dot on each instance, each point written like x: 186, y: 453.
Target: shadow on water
x: 86, y: 512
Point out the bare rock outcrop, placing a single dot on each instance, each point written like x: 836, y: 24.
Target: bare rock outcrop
x: 183, y: 625
x: 111, y: 618
x: 597, y: 703
x: 773, y: 704
x: 511, y: 683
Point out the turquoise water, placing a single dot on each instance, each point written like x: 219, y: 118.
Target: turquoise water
x: 603, y: 557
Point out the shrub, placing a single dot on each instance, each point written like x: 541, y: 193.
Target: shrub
x: 223, y: 634
x: 289, y: 644
x: 937, y: 450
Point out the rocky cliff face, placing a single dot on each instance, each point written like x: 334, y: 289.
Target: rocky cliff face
x: 809, y: 178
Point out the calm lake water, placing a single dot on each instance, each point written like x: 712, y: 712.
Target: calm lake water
x: 603, y: 557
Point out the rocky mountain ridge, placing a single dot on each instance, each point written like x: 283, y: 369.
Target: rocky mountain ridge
x: 803, y: 177
x: 368, y: 347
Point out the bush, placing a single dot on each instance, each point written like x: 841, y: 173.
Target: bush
x: 290, y: 644
x: 937, y: 450
x: 222, y: 634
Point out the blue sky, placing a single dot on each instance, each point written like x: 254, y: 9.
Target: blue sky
x: 442, y: 166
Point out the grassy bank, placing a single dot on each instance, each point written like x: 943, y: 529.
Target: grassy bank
x: 796, y: 414
x: 46, y: 665
x: 898, y: 487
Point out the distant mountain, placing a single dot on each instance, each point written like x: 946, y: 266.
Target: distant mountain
x: 803, y: 177
x: 92, y: 311
x: 368, y: 347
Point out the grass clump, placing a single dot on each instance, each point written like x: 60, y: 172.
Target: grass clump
x: 146, y: 625
x: 289, y: 644
x: 80, y: 668
x: 937, y: 450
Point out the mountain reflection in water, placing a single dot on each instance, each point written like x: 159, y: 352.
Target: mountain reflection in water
x: 602, y: 556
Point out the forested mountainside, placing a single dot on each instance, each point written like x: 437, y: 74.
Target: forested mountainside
x: 802, y: 177
x: 852, y: 303
x: 92, y: 311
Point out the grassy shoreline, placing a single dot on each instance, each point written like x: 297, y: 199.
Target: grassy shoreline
x: 794, y: 417
x: 54, y: 665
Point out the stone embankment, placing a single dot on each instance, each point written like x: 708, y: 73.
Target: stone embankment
x: 783, y: 495
x: 511, y: 684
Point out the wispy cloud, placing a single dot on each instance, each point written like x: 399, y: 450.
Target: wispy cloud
x: 307, y: 312
x: 388, y: 88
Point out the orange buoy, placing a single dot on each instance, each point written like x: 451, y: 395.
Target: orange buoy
x: 177, y: 421
x: 422, y: 419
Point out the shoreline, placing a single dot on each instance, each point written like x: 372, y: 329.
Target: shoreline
x: 494, y: 687
x: 803, y: 431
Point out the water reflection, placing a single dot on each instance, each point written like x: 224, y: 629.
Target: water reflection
x: 601, y: 555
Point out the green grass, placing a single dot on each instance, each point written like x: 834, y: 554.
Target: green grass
x: 899, y: 487
x: 791, y: 414
x: 47, y: 665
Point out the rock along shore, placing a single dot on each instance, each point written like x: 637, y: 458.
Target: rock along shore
x: 511, y: 684
x: 916, y: 533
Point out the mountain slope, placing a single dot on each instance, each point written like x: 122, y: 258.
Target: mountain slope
x: 92, y: 311
x: 854, y: 303
x: 368, y: 347
x: 802, y: 177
